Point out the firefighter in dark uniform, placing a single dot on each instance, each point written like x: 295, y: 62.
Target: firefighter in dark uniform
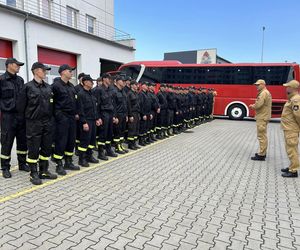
x: 127, y: 87
x: 146, y: 116
x: 133, y: 116
x: 177, y: 111
x: 155, y: 110
x: 162, y: 116
x: 106, y: 110
x: 35, y: 103
x: 65, y: 111
x: 89, y: 118
x: 12, y: 125
x: 171, y: 109
x: 78, y: 88
x: 120, y: 104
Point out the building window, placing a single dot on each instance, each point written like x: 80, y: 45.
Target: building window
x: 90, y: 21
x: 12, y: 3
x: 72, y: 17
x: 45, y: 8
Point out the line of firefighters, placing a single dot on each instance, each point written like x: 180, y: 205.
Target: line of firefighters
x: 53, y: 120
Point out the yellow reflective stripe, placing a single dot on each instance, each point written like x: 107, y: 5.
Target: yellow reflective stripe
x: 77, y: 141
x: 58, y: 157
x: 116, y: 140
x: 82, y: 149
x: 130, y: 138
x: 108, y: 142
x: 69, y: 153
x: 122, y: 138
x: 44, y: 158
x: 51, y: 100
x: 135, y: 137
x: 32, y: 160
x: 21, y: 152
x: 91, y: 146
x: 101, y: 143
x: 4, y: 157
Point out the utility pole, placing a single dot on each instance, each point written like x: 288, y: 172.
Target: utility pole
x: 262, y: 45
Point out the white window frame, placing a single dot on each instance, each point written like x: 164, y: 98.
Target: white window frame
x: 74, y: 17
x: 41, y: 8
x: 93, y: 19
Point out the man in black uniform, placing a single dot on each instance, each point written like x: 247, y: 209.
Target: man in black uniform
x: 65, y: 111
x: 106, y: 111
x: 133, y: 116
x: 146, y: 116
x: 35, y: 103
x: 162, y: 116
x: 12, y: 125
x: 78, y: 88
x: 171, y: 109
x: 88, y: 118
x: 120, y: 104
x: 155, y: 110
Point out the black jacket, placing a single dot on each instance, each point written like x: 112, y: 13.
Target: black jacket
x: 10, y: 88
x: 145, y: 101
x: 120, y: 101
x: 162, y: 100
x: 64, y: 95
x: 104, y: 99
x: 87, y: 106
x: 35, y: 101
x: 133, y: 103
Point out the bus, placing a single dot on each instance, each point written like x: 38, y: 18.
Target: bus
x: 232, y: 82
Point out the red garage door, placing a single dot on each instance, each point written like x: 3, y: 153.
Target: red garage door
x: 55, y: 58
x: 5, y: 52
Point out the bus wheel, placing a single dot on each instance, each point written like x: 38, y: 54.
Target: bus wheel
x: 236, y: 112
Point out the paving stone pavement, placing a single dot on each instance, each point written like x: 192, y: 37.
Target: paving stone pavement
x: 197, y: 190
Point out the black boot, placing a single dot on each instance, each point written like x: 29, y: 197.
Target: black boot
x: 44, y: 171
x: 60, y: 168
x: 123, y: 148
x: 131, y: 145
x: 258, y: 158
x: 290, y: 174
x: 109, y: 151
x: 135, y: 144
x: 34, y: 177
x: 119, y: 149
x: 90, y: 158
x: 101, y: 154
x: 69, y: 164
x: 142, y: 141
x: 5, y: 166
x: 153, y: 137
x: 83, y: 160
x: 22, y: 163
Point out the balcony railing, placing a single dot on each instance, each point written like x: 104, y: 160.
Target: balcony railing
x: 67, y: 16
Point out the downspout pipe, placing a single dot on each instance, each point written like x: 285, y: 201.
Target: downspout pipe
x: 26, y: 46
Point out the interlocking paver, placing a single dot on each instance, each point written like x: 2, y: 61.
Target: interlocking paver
x: 198, y: 190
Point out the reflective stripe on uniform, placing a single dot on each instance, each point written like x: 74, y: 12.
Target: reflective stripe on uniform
x: 4, y: 157
x: 130, y: 138
x: 57, y: 157
x: 82, y: 149
x: 108, y: 142
x: 32, y: 160
x: 21, y: 152
x: 69, y: 153
x: 77, y: 141
x: 101, y: 143
x: 44, y: 158
x: 91, y: 146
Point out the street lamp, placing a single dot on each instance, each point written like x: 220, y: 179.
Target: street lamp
x: 262, y: 45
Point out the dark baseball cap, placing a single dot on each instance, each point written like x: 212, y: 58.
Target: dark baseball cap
x: 39, y: 65
x: 65, y: 67
x: 81, y: 75
x: 120, y: 77
x: 87, y: 78
x: 13, y: 60
x: 105, y: 75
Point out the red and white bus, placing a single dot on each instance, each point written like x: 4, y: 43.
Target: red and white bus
x: 233, y: 82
